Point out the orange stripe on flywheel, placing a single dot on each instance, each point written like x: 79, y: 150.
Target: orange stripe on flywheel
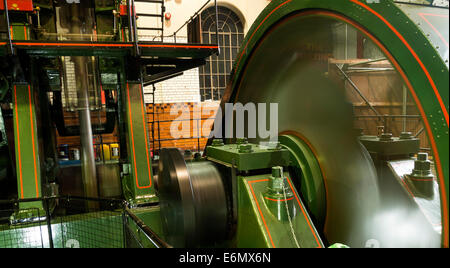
x: 420, y: 108
x: 257, y: 28
x: 408, y: 46
x: 416, y: 99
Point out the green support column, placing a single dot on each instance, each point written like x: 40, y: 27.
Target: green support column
x: 26, y: 146
x: 138, y: 183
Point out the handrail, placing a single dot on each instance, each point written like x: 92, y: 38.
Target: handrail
x: 135, y: 33
x: 190, y: 19
x: 154, y: 238
x: 132, y: 24
x: 149, y: 233
x: 196, y: 14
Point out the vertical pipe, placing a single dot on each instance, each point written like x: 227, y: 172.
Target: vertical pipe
x: 132, y: 26
x: 96, y: 81
x: 159, y: 135
x: 163, y: 10
x: 130, y: 32
x: 87, y: 147
x: 217, y: 26
x: 135, y: 33
x: 404, y: 110
x: 198, y: 134
x: 5, y: 3
x: 153, y: 118
x: 89, y: 174
x: 346, y: 41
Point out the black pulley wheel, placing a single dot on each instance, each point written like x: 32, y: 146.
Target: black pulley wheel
x: 192, y: 200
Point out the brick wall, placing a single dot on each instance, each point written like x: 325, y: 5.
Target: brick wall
x: 71, y: 119
x: 196, y: 121
x: 181, y: 89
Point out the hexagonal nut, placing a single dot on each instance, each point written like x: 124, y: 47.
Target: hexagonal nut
x: 217, y: 142
x: 241, y: 141
x: 406, y: 135
x: 422, y: 165
x: 277, y: 172
x: 245, y: 148
x: 422, y: 156
x: 386, y: 137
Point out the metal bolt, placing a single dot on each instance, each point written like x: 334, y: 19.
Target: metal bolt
x: 422, y: 156
x: 406, y: 135
x: 276, y: 182
x: 241, y: 141
x: 188, y: 153
x: 277, y: 172
x: 197, y: 156
x: 422, y: 166
x: 421, y: 177
x: 274, y: 145
x: 217, y: 142
x: 386, y: 137
x: 245, y: 148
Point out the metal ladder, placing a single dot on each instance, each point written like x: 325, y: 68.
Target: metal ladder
x: 153, y: 15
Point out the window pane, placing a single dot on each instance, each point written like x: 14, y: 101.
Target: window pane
x: 214, y: 76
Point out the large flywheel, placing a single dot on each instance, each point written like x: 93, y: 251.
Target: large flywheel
x: 285, y: 59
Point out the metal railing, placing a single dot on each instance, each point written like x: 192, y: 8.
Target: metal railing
x: 69, y: 221
x: 133, y: 33
x: 195, y: 16
x: 131, y: 18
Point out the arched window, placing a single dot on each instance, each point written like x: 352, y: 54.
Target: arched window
x: 215, y: 74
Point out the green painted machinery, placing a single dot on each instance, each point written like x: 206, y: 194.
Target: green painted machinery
x: 89, y: 63
x: 74, y: 70
x: 355, y: 198
x: 321, y: 184
x: 371, y: 190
